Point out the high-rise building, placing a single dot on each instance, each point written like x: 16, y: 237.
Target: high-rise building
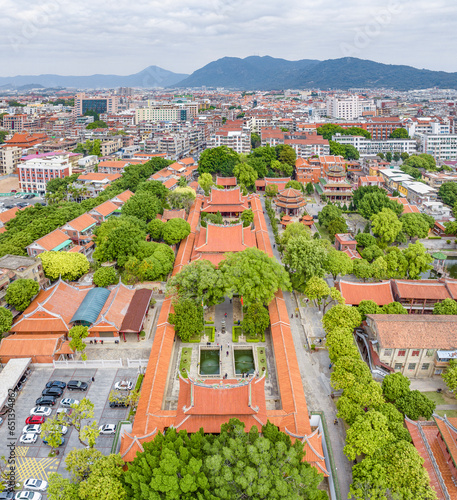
x: 98, y: 104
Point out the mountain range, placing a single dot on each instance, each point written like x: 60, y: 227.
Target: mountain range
x: 268, y: 73
x: 152, y: 76
x: 257, y: 73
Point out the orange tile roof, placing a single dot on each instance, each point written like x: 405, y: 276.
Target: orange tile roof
x: 414, y: 331
x: 82, y: 222
x: 52, y: 240
x: 354, y: 293
x: 124, y: 196
x: 114, y: 310
x: 220, y: 239
x: 169, y: 183
x: 225, y: 181
x: 420, y: 289
x: 173, y: 214
x: 26, y: 346
x: 106, y: 208
x: 8, y: 215
x: 98, y: 177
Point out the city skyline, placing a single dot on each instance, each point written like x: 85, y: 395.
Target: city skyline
x: 87, y: 38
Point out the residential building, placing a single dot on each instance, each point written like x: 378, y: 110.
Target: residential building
x: 367, y: 147
x: 440, y: 146
x: 437, y: 210
x: 56, y: 241
x: 80, y: 231
x: 417, y: 192
x: 99, y: 104
x: 95, y: 182
x: 306, y: 172
x: 111, y: 146
x: 35, y: 174
x: 436, y: 179
x: 349, y: 107
x: 121, y: 198
x: 103, y: 211
x: 161, y: 113
x: 412, y: 344
x: 238, y: 140
x: 9, y: 159
x: 174, y: 146
x: 345, y: 242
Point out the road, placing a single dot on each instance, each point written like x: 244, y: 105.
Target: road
x: 315, y: 374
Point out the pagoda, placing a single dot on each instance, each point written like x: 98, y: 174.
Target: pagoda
x: 290, y: 201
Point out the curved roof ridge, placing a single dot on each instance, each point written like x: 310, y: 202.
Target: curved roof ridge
x: 102, y: 317
x: 306, y: 439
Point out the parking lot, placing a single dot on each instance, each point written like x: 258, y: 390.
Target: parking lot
x: 11, y: 201
x: 32, y: 459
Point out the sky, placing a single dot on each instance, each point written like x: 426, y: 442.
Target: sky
x: 84, y: 37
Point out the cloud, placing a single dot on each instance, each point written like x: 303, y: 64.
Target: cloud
x: 123, y: 37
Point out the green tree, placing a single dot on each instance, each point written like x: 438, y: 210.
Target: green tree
x: 6, y: 320
x: 255, y: 320
x: 397, y: 156
x: 175, y: 230
x: 341, y: 316
x: 182, y: 181
x: 365, y: 240
x: 286, y: 154
x: 255, y: 140
x: 419, y: 261
x: 399, y: 133
x: 68, y: 265
x: 393, y: 471
x: 368, y: 307
x: 51, y: 431
x: 310, y: 188
x: 450, y: 375
x: 79, y: 462
x: 372, y: 252
x: 373, y: 202
x: 155, y: 188
x: 328, y: 214
x: 367, y: 434
x: 389, y: 156
x: 153, y: 261
x: 187, y: 319
x: 182, y: 198
x: 397, y: 264
x: 105, y: 276
x: 144, y: 206
x: 155, y: 229
x: 379, y: 268
x: 76, y: 335
x: 386, y: 225
x: 348, y: 371
x: 200, y: 281
x: 447, y: 306
x: 20, y: 293
x: 337, y: 226
x: 245, y: 174
x: 414, y: 225
x: 205, y: 181
x: 271, y: 190
x: 304, y: 258
x: 89, y: 433
x: 292, y: 231
x: 60, y: 488
x: 316, y: 289
x: 448, y: 193
x: 345, y: 347
x: 295, y: 185
x: 338, y: 263
x: 404, y: 156
x: 96, y: 124
x: 247, y: 216
x: 80, y: 413
x: 393, y: 308
x: 395, y: 386
x: 423, y: 160
x: 105, y: 481
x: 415, y: 405
x: 219, y: 160
x: 253, y: 275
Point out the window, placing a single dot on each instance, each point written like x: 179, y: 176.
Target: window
x: 387, y: 352
x: 415, y: 353
x: 398, y: 366
x: 411, y: 366
x: 401, y: 353
x: 430, y: 352
x: 425, y: 366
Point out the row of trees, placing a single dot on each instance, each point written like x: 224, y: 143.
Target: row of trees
x: 261, y: 162
x: 391, y: 465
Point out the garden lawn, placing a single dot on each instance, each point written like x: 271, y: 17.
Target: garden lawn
x: 184, y: 364
x: 262, y: 364
x: 440, y: 398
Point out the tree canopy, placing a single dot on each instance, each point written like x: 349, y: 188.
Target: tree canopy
x: 6, y: 320
x: 68, y: 265
x: 205, y: 181
x: 175, y: 230
x: 255, y: 320
x: 386, y: 225
x: 105, y: 276
x: 143, y: 205
x: 20, y: 293
x: 447, y: 306
x: 187, y: 318
x: 399, y: 133
x: 220, y: 160
x: 448, y: 193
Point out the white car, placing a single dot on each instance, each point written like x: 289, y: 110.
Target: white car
x: 63, y: 429
x: 35, y: 484
x: 32, y: 429
x: 67, y: 411
x: 124, y: 385
x: 107, y: 429
x: 28, y: 495
x: 41, y: 411
x: 68, y: 402
x: 28, y: 438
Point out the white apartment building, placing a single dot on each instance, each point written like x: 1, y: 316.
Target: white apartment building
x: 427, y: 125
x: 166, y: 112
x: 238, y: 140
x: 9, y: 159
x: 368, y: 147
x: 174, y: 146
x: 440, y: 146
x: 34, y: 174
x: 349, y: 107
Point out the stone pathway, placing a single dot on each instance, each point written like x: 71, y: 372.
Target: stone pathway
x: 315, y: 376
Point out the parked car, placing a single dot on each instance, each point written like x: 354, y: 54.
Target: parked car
x: 62, y: 441
x: 35, y: 484
x: 28, y: 438
x: 68, y: 402
x: 41, y: 411
x: 46, y: 401
x: 32, y: 429
x: 34, y: 419
x: 7, y: 495
x: 107, y: 429
x: 118, y: 404
x: 77, y: 385
x: 67, y: 411
x: 54, y: 392
x: 56, y: 383
x: 124, y: 385
x: 23, y: 204
x: 63, y: 429
x: 28, y: 495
